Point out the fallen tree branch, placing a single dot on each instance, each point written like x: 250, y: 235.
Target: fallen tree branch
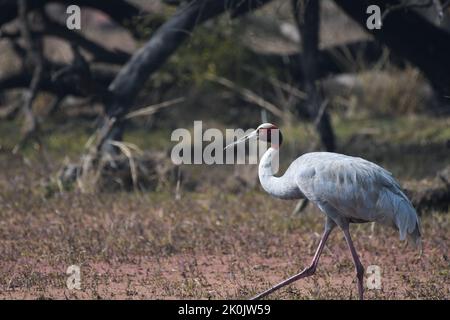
x: 120, y: 11
x: 99, y: 53
x: 164, y: 42
x: 249, y: 96
x: 147, y: 111
x: 149, y: 58
x: 21, y: 79
x: 35, y: 57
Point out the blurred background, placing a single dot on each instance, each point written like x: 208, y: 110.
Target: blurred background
x: 86, y: 118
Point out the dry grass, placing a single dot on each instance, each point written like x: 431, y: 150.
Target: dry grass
x: 206, y: 245
x: 222, y: 239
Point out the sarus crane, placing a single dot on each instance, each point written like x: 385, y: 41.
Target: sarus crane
x: 346, y: 189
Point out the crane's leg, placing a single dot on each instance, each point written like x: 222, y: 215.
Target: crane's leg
x: 358, y: 265
x: 309, y: 271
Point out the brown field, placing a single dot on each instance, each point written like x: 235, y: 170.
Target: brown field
x: 210, y: 244
x: 219, y: 236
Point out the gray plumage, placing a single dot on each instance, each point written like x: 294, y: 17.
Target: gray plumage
x: 347, y: 189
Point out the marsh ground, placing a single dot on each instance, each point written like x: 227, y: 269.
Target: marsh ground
x: 218, y: 240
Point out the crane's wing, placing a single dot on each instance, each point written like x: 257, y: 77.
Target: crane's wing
x: 358, y: 189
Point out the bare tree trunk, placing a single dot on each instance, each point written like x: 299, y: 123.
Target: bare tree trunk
x: 307, y: 16
x: 36, y: 60
x: 155, y: 52
x: 133, y: 75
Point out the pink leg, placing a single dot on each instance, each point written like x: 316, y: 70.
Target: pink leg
x: 358, y: 265
x: 309, y: 271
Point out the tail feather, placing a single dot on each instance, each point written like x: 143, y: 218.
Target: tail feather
x: 414, y: 238
x: 404, y: 216
x: 408, y: 223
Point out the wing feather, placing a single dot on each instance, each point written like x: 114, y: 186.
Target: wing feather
x: 358, y: 189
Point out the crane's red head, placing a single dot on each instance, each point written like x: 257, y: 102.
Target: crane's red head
x: 266, y: 132
x: 270, y: 133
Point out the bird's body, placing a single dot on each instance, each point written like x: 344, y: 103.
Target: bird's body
x: 346, y: 189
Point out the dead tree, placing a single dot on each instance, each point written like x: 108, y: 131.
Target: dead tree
x: 427, y: 48
x: 129, y: 81
x: 38, y: 72
x: 307, y: 17
x: 34, y: 57
x: 156, y: 51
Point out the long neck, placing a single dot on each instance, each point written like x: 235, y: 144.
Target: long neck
x: 283, y: 187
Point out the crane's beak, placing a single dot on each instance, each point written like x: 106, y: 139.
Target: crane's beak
x: 243, y: 139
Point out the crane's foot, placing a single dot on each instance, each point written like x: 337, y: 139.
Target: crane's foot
x: 305, y: 273
x: 308, y: 271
